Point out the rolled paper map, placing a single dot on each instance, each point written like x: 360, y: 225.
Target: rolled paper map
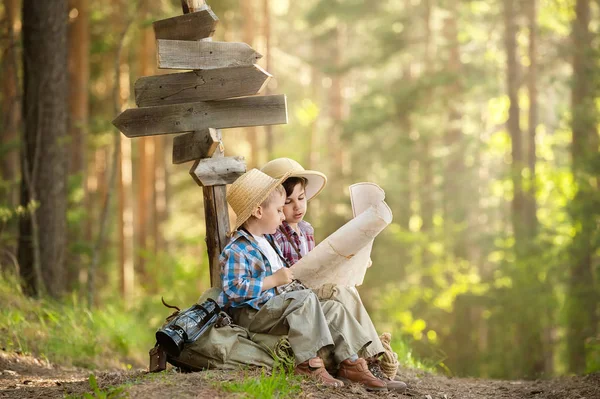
x: 344, y: 256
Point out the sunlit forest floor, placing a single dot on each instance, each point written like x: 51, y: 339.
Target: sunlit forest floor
x: 52, y: 349
x: 27, y: 377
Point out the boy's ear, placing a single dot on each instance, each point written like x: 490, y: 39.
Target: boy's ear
x: 258, y: 212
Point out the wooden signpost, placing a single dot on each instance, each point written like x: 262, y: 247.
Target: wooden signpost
x: 199, y: 104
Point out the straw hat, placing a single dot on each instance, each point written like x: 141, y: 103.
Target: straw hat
x: 249, y: 191
x: 315, y: 180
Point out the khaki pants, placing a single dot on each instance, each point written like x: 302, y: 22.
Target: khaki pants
x: 310, y: 324
x: 349, y: 297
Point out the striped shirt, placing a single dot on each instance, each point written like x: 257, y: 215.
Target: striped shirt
x: 303, y: 241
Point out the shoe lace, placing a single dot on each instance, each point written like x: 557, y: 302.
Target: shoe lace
x: 375, y: 368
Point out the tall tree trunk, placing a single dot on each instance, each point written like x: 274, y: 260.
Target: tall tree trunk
x: 125, y: 190
x: 425, y: 162
x: 531, y: 212
x: 11, y: 106
x: 145, y: 160
x: 44, y: 151
x: 454, y: 180
x: 9, y: 163
x: 529, y: 324
x: 160, y: 193
x: 249, y: 34
x: 544, y: 364
x: 405, y: 127
x: 336, y: 105
x: 79, y: 76
x: 513, y: 123
x: 266, y: 4
x: 583, y: 297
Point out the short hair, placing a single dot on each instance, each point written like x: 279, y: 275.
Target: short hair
x: 291, y: 182
x: 278, y: 190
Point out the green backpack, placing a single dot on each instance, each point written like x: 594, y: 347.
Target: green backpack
x: 226, y: 347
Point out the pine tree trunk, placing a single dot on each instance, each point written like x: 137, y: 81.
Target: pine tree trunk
x: 529, y: 324
x: 454, y: 179
x: 266, y: 4
x: 249, y: 34
x: 405, y: 128
x: 583, y: 296
x: 79, y: 75
x: 532, y: 220
x: 44, y: 154
x: 11, y: 106
x: 513, y: 123
x: 145, y: 160
x: 9, y: 162
x: 160, y: 193
x: 425, y: 161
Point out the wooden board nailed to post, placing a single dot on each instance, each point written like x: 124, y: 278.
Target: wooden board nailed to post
x: 181, y: 54
x: 209, y: 84
x: 195, y: 145
x: 178, y: 118
x: 192, y: 26
x: 219, y: 171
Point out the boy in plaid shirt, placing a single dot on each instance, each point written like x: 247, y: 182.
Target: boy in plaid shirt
x: 295, y: 237
x: 255, y: 278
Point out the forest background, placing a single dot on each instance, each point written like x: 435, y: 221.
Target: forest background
x: 478, y: 118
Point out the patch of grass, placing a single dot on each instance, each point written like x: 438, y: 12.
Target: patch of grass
x: 407, y: 359
x: 278, y: 384
x: 67, y: 333
x: 97, y: 393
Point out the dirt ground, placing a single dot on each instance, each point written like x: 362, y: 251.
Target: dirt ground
x: 27, y: 377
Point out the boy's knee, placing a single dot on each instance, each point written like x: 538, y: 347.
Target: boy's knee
x: 303, y: 297
x: 333, y: 307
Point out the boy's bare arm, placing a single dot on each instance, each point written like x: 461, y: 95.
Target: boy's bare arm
x: 280, y: 277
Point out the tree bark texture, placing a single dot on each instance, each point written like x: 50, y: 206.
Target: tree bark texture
x: 45, y: 148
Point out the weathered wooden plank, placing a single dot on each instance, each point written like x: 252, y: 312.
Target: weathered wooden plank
x: 237, y: 112
x: 195, y: 145
x: 193, y: 5
x: 218, y: 171
x: 203, y: 85
x: 217, y: 226
x: 192, y: 26
x: 180, y: 54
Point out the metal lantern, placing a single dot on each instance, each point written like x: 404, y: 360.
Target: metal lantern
x: 187, y: 326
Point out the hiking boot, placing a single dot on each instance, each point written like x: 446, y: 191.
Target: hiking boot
x: 358, y: 371
x: 315, y: 369
x: 374, y: 365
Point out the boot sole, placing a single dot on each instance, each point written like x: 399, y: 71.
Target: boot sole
x: 370, y: 389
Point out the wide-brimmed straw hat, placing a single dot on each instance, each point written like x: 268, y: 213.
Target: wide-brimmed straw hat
x: 315, y: 181
x: 249, y: 191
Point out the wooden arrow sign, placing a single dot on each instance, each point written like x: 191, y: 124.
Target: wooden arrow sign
x: 210, y: 84
x: 219, y: 171
x: 237, y: 112
x: 193, y: 26
x: 180, y: 54
x: 195, y: 145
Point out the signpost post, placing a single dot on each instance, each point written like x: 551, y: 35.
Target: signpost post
x: 200, y: 103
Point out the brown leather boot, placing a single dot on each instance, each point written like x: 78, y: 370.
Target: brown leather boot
x: 358, y: 371
x: 375, y: 369
x: 315, y: 369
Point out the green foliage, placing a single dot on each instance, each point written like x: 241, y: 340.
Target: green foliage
x: 68, y: 333
x: 276, y: 384
x: 97, y: 393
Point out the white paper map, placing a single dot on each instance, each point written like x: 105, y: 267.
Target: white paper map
x: 344, y: 256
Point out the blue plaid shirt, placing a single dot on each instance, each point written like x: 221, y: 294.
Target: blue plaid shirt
x: 243, y: 270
